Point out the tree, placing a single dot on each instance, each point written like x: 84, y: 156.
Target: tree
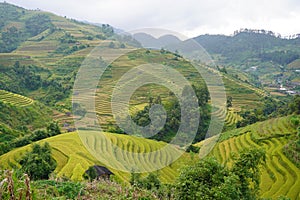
x: 294, y: 106
x: 122, y: 46
x: 107, y: 30
x: 135, y: 179
x: 91, y: 173
x: 229, y: 102
x: 38, y: 135
x: 111, y: 45
x: 208, y: 179
x: 246, y: 167
x: 149, y: 182
x: 193, y: 149
x: 38, y: 163
x: 53, y: 129
x: 174, y: 111
x: 10, y: 39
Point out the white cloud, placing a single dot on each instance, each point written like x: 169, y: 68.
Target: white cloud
x: 192, y: 17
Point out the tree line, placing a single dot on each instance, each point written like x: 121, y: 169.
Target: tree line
x: 23, y: 79
x: 7, y: 145
x: 270, y: 108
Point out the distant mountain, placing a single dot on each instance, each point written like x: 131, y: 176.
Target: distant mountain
x: 148, y: 41
x: 268, y: 58
x: 167, y: 40
x: 247, y: 44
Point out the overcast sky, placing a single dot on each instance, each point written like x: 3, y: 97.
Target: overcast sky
x: 188, y: 17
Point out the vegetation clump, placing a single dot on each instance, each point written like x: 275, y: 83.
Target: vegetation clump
x: 208, y: 179
x: 38, y: 163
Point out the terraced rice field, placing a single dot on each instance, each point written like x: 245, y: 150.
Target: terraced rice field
x: 14, y: 99
x: 294, y: 65
x: 243, y: 95
x: 128, y: 153
x: 9, y: 59
x: 40, y: 49
x: 73, y: 158
x: 139, y: 98
x: 258, y: 91
x: 230, y: 117
x: 279, y: 176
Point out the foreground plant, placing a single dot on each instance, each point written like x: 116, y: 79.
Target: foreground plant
x: 208, y: 179
x: 10, y: 186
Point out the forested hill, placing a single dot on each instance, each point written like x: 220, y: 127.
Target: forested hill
x: 248, y: 44
x: 40, y: 52
x: 18, y: 25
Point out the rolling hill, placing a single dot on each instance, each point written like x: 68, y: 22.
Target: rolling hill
x: 48, y: 48
x: 246, y: 44
x: 41, y: 53
x: 18, y: 111
x: 149, y: 41
x: 268, y: 59
x: 279, y: 175
x: 73, y: 158
x: 53, y: 55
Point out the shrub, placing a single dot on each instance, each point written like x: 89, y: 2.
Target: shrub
x: 91, y: 173
x: 193, y: 149
x: 208, y: 179
x: 150, y: 182
x: 38, y: 163
x: 295, y: 121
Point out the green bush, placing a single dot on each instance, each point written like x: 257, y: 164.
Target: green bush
x: 208, y: 179
x: 295, y: 121
x: 149, y: 182
x: 38, y: 163
x: 193, y: 149
x: 91, y: 173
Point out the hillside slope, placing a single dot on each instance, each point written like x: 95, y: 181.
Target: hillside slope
x: 50, y: 57
x: 279, y: 176
x: 247, y: 44
x: 267, y: 58
x: 18, y: 111
x: 73, y: 158
x: 47, y: 50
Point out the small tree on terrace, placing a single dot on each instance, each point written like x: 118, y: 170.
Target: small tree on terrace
x: 38, y: 163
x: 229, y: 102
